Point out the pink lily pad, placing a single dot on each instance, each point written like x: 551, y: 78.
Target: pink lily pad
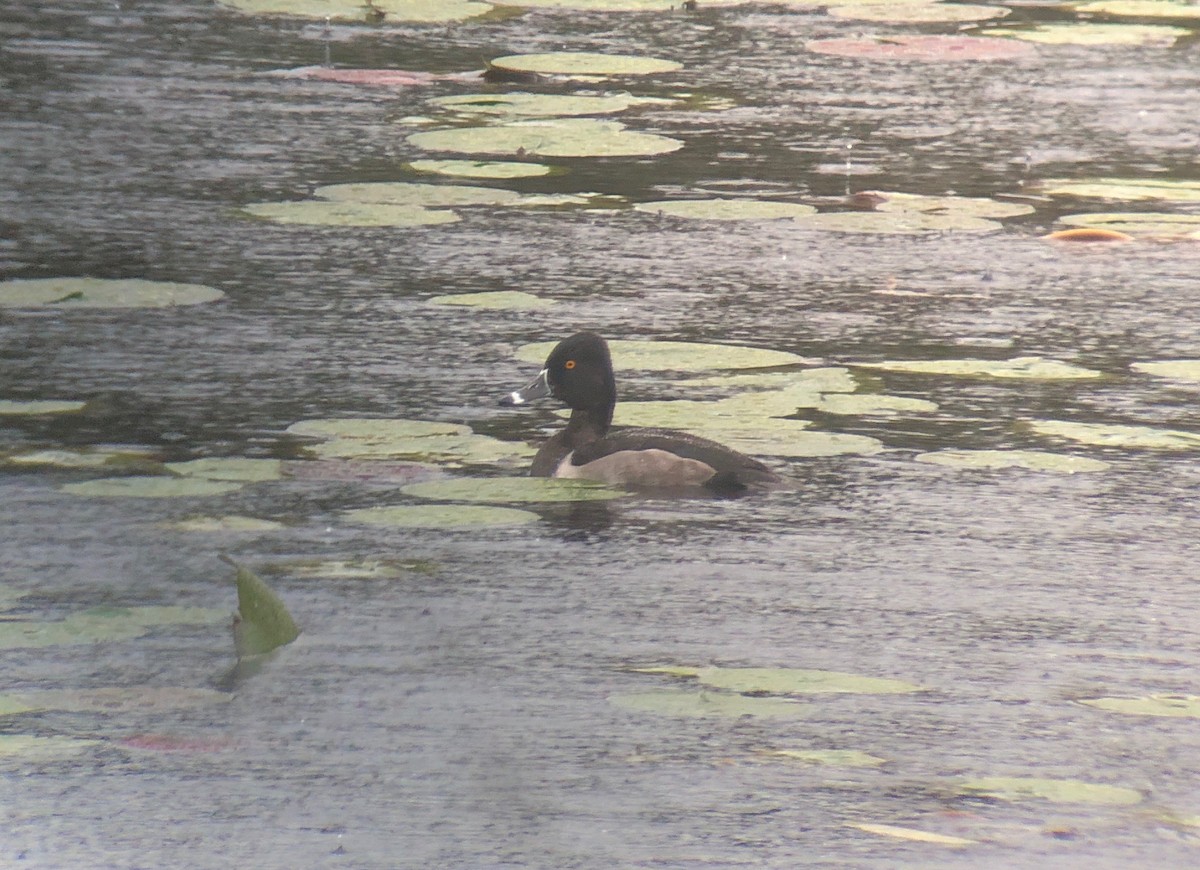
x: 930, y: 48
x: 393, y: 78
x: 175, y: 743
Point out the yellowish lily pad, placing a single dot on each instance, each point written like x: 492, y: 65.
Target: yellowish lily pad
x: 1170, y: 190
x: 506, y: 300
x: 150, y: 487
x: 440, y: 516
x: 326, y: 213
x: 1033, y: 460
x: 828, y: 757
x: 899, y: 222
x: 726, y: 209
x: 1139, y: 224
x: 556, y: 137
x: 1118, y: 435
x: 511, y: 489
x: 1062, y: 791
x: 674, y: 702
x: 526, y: 105
x: 1179, y: 706
x: 86, y: 458
x: 65, y: 293
x: 231, y: 468
x: 481, y: 168
x: 1174, y: 369
x: 916, y: 12
x: 680, y: 356
x: 31, y: 748
x: 354, y: 10
x: 870, y: 404
x: 1090, y: 33
x: 911, y: 834
x: 585, y: 63
x: 817, y: 381
x: 13, y: 408
x: 1024, y: 367
x: 373, y: 439
x: 971, y: 206
x: 1143, y: 8
x: 227, y: 523
x: 800, y: 681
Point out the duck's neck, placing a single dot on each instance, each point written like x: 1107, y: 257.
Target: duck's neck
x: 588, y: 424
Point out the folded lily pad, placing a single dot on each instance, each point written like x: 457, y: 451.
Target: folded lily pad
x: 440, y: 516
x: 800, y: 681
x: 674, y: 702
x: 13, y: 408
x: 680, y: 356
x: 1118, y: 435
x: 1030, y: 459
x: 231, y: 468
x: 150, y: 487
x: 829, y: 757
x: 373, y: 12
x: 506, y: 300
x: 726, y: 209
x: 1063, y: 791
x: 67, y: 293
x: 1175, y: 369
x: 1139, y: 224
x: 1185, y: 706
x: 262, y: 623
x: 1089, y: 33
x: 911, y: 834
x: 525, y: 105
x: 1143, y: 8
x: 900, y: 222
x: 481, y: 168
x: 406, y: 193
x: 973, y: 206
x: 326, y: 213
x: 512, y: 489
x: 1170, y: 190
x: 585, y: 63
x: 553, y: 137
x: 929, y: 48
x: 905, y: 12
x: 1030, y: 367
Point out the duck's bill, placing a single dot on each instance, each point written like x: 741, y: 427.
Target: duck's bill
x: 538, y: 389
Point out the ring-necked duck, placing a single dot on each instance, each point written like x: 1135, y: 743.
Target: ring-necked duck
x: 579, y: 372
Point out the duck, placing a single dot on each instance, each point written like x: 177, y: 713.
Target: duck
x: 579, y: 373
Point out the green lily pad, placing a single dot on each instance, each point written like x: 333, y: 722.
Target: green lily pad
x: 971, y: 206
x: 1088, y: 33
x: 1061, y: 791
x: 867, y: 404
x: 817, y: 381
x: 11, y: 706
x: 13, y: 408
x: 525, y: 105
x: 1139, y: 224
x: 585, y: 63
x: 726, y: 209
x: 124, y: 700
x: 916, y: 12
x: 679, y: 356
x: 900, y: 222
x: 82, y: 628
x: 1031, y: 459
x: 102, y: 293
x: 673, y: 702
x: 374, y: 439
x: 150, y: 487
x: 326, y: 213
x: 30, y: 748
x: 1024, y: 367
x: 262, y: 623
x: 227, y: 523
x: 591, y: 200
x: 232, y: 468
x: 1143, y: 8
x: 1175, y: 369
x: 511, y: 489
x: 440, y: 516
x: 911, y: 834
x: 552, y: 137
x: 354, y: 10
x: 481, y: 168
x: 405, y: 193
x: 505, y: 300
x: 829, y: 757
x: 1118, y: 435
x: 1187, y: 706
x: 800, y: 681
x: 781, y: 441
x: 1170, y: 190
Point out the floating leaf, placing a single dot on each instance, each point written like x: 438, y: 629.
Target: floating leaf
x: 681, y: 356
x: 1170, y: 190
x: 359, y: 569
x: 411, y: 193
x: 524, y: 105
x: 508, y: 300
x: 830, y: 757
x: 668, y: 670
x: 354, y: 10
x: 916, y: 12
x: 927, y: 48
x: 1063, y: 791
x: 1086, y: 33
x: 356, y: 471
x: 896, y: 222
x: 816, y: 381
x: 1175, y: 369
x: 1023, y: 367
x: 512, y: 489
x: 263, y: 622
x: 1143, y: 8
x: 11, y: 706
x: 872, y: 403
x: 669, y: 702
x: 30, y: 748
x: 13, y: 408
x: 102, y: 293
x: 800, y: 681
x: 585, y: 63
x: 319, y: 212
x: 559, y: 137
x: 1118, y: 435
x: 1088, y: 234
x: 232, y: 468
x: 87, y: 627
x: 150, y: 487
x: 440, y: 516
x: 1152, y: 705
x: 911, y: 834
x: 1139, y: 224
x: 407, y: 439
x: 227, y: 523
x: 124, y: 700
x: 86, y: 458
x: 481, y: 168
x: 382, y: 77
x: 1031, y: 459
x: 726, y: 209
x: 973, y: 206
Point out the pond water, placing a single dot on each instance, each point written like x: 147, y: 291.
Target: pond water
x: 473, y: 709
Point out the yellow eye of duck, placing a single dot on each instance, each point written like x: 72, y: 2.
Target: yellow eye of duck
x: 569, y: 364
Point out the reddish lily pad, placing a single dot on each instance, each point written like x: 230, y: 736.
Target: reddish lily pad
x: 392, y: 78
x: 929, y: 48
